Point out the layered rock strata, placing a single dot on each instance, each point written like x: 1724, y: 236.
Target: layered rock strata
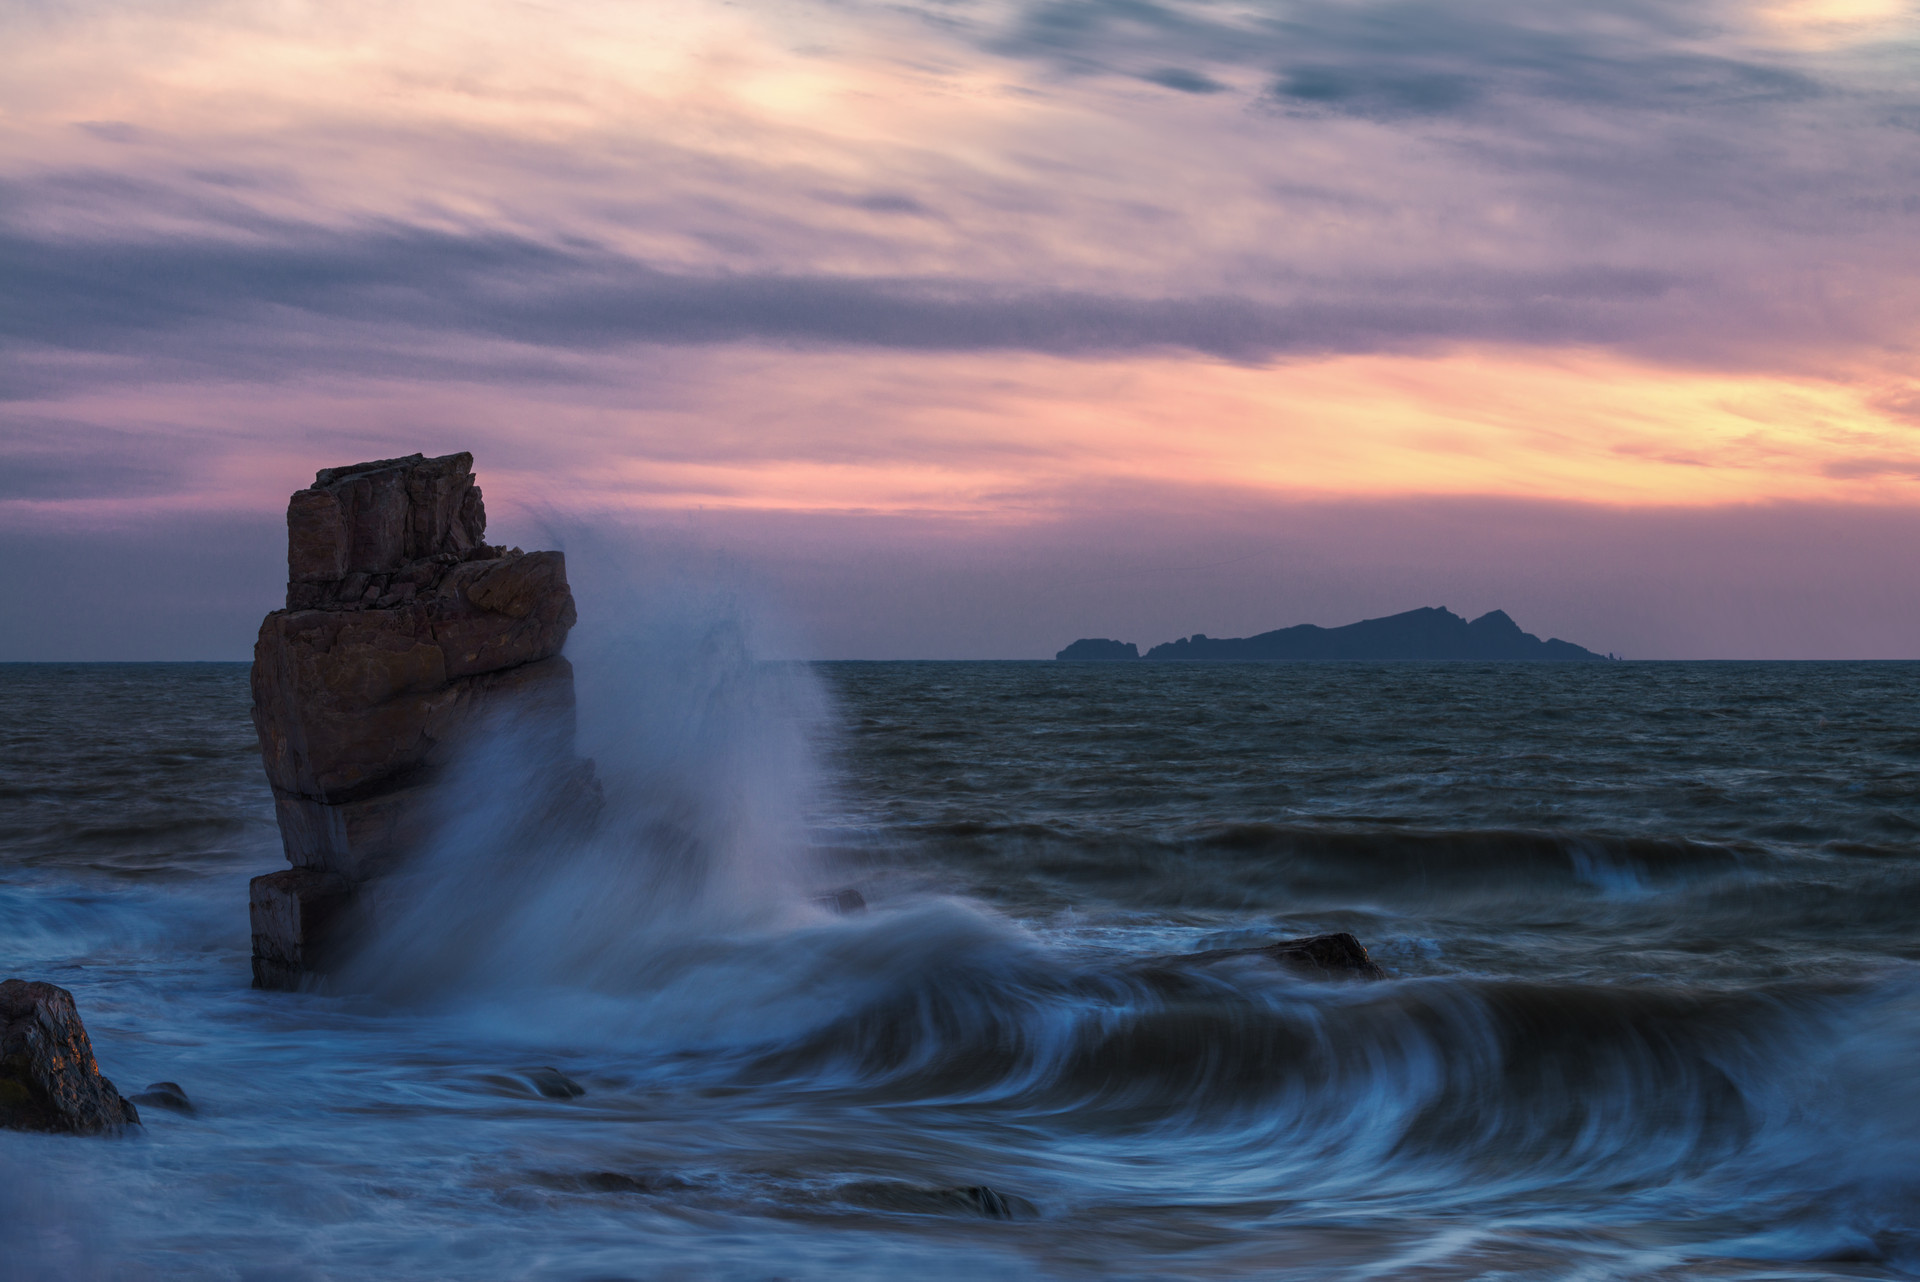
x: 404, y: 632
x: 48, y: 1078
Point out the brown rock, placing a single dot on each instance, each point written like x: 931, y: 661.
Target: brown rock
x: 375, y: 517
x: 345, y: 702
x: 342, y: 700
x: 357, y: 840
x: 502, y: 612
x: 404, y: 633
x: 298, y: 918
x: 519, y: 586
x: 48, y: 1078
x: 316, y: 538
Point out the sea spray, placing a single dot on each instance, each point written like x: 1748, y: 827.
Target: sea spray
x: 691, y: 831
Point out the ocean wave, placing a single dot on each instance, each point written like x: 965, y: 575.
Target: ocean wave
x: 1242, y: 864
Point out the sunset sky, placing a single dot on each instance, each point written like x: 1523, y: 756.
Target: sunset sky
x: 966, y: 328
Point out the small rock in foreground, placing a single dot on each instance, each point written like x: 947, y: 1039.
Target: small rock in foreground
x: 48, y: 1078
x: 164, y: 1095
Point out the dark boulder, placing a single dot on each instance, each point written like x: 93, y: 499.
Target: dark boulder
x: 554, y: 1084
x: 299, y: 918
x: 1335, y: 956
x: 48, y: 1078
x: 644, y: 1182
x: 911, y: 1199
x: 165, y: 1095
x: 843, y: 901
x: 992, y: 1203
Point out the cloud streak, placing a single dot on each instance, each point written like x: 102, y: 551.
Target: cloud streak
x: 1391, y: 59
x: 44, y: 460
x: 137, y: 296
x: 1245, y: 182
x: 962, y: 260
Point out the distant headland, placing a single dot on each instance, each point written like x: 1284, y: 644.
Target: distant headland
x: 1419, y: 636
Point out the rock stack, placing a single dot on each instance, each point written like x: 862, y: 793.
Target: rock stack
x: 403, y: 633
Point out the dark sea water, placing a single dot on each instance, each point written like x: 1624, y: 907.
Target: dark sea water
x: 1654, y: 1007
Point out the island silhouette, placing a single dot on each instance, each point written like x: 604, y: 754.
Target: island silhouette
x: 1431, y: 634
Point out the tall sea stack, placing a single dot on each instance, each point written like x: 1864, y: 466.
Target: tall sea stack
x: 403, y: 633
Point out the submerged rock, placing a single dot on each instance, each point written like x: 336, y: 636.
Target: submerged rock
x: 992, y: 1203
x: 49, y: 1080
x: 554, y: 1084
x: 969, y: 1199
x: 644, y: 1182
x: 1335, y: 956
x: 165, y: 1095
x: 843, y: 901
x: 403, y: 633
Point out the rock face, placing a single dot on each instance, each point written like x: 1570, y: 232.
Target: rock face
x: 48, y: 1078
x: 404, y: 632
x: 298, y: 917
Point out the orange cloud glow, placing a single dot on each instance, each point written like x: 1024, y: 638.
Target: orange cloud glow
x: 1012, y: 437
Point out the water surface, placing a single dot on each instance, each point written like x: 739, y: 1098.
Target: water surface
x: 1653, y: 1013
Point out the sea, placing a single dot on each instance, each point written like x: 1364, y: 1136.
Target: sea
x: 1651, y: 932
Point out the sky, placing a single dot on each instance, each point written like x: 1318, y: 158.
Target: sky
x: 964, y: 328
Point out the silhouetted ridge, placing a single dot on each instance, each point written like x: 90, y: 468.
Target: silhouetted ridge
x: 1418, y: 636
x: 1099, y: 650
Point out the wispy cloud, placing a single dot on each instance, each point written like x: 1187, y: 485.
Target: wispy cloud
x: 958, y: 257
x: 49, y: 459
x: 1389, y: 59
x: 1318, y: 177
x: 165, y: 296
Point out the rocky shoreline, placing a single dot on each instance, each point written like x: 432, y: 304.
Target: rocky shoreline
x: 404, y: 636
